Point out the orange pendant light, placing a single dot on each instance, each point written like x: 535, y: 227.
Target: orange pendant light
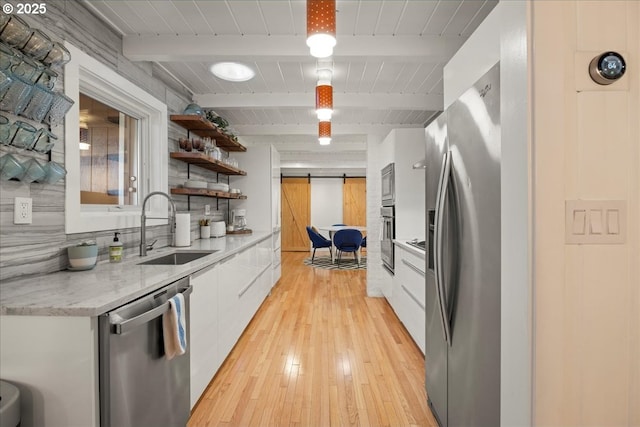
x: 324, y: 102
x: 324, y: 132
x: 321, y: 27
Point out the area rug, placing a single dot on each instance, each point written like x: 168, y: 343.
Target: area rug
x: 346, y: 263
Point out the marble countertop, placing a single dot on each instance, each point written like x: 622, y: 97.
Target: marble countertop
x: 110, y: 285
x: 407, y: 247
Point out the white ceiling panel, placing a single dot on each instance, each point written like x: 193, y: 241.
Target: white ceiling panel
x: 415, y: 17
x: 389, y: 16
x: 279, y: 18
x: 388, y: 62
x: 249, y: 17
x: 442, y: 15
x: 218, y: 16
x: 192, y: 19
x: 464, y: 14
x: 169, y: 17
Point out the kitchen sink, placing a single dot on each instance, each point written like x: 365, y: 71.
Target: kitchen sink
x: 177, y: 258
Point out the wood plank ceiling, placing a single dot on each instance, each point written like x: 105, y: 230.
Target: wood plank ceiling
x: 388, y: 61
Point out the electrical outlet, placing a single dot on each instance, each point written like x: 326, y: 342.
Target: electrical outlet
x: 22, y: 207
x: 207, y: 209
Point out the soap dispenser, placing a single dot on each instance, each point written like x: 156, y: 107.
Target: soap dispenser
x: 115, y: 249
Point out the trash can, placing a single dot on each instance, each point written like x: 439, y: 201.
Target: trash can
x: 9, y: 405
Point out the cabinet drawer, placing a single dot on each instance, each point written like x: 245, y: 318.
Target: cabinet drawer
x: 414, y: 318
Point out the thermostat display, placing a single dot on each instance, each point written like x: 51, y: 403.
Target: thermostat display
x: 607, y: 68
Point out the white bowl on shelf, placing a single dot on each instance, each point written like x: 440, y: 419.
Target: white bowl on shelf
x: 194, y: 183
x: 219, y: 186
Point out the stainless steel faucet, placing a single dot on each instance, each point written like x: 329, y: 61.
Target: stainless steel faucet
x: 143, y: 221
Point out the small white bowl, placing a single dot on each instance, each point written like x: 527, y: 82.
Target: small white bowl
x: 83, y: 257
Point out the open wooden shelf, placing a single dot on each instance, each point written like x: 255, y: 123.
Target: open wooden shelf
x: 200, y: 159
x: 203, y: 127
x: 203, y: 192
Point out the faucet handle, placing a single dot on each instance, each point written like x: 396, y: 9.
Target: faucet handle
x: 150, y: 245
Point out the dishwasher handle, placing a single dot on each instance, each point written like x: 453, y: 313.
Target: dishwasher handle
x: 120, y: 327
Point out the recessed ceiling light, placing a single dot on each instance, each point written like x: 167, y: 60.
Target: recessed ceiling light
x: 232, y: 71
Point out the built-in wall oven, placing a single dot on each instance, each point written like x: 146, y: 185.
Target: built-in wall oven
x: 388, y: 189
x: 388, y: 234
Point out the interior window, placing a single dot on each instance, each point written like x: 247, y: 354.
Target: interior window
x: 109, y: 143
x: 116, y: 149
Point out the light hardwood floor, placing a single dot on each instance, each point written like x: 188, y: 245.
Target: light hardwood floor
x: 319, y: 352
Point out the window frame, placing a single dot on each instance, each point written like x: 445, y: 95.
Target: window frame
x: 97, y: 80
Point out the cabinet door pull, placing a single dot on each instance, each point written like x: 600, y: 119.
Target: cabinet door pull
x: 413, y: 297
x: 413, y: 267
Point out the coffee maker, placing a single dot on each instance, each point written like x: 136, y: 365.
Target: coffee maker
x: 239, y: 219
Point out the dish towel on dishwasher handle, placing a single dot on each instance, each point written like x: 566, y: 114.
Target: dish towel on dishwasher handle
x: 174, y: 328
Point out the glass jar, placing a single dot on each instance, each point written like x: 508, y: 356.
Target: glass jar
x: 47, y: 78
x: 8, y: 57
x: 39, y: 103
x: 10, y: 167
x: 59, y: 107
x: 16, y: 32
x: 33, y: 171
x: 44, y: 142
x: 5, y: 130
x: 38, y: 46
x: 17, y: 96
x: 54, y: 173
x: 24, y: 135
x: 58, y: 56
x: 27, y: 69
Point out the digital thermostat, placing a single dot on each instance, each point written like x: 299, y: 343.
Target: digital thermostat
x: 607, y: 68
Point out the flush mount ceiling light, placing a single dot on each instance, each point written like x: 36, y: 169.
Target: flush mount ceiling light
x: 321, y: 27
x: 324, y: 133
x: 232, y: 71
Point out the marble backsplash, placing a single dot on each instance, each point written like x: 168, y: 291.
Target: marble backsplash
x: 40, y: 247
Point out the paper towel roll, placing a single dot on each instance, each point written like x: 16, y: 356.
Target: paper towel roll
x: 183, y: 229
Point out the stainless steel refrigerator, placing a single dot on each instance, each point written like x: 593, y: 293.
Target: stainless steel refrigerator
x: 463, y: 258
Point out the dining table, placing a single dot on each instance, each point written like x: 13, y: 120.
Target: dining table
x: 332, y: 229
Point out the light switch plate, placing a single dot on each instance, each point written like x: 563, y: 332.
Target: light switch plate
x: 596, y: 222
x: 22, y: 210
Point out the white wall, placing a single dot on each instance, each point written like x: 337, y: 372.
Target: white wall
x: 502, y: 36
x: 409, y: 147
x: 326, y: 201
x: 586, y: 147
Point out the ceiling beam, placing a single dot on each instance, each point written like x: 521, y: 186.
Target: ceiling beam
x: 187, y: 48
x: 312, y: 129
x: 375, y: 101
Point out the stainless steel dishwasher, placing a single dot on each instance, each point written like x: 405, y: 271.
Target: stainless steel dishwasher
x: 139, y: 386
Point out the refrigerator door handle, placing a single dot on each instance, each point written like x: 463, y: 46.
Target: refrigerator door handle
x: 443, y: 188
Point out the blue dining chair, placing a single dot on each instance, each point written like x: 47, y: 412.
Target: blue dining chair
x: 348, y: 240
x: 338, y: 225
x: 318, y: 241
x: 364, y: 242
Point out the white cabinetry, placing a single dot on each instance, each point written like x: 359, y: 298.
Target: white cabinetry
x: 262, y: 188
x: 409, y: 293
x: 203, y: 319
x: 54, y: 362
x: 407, y: 147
